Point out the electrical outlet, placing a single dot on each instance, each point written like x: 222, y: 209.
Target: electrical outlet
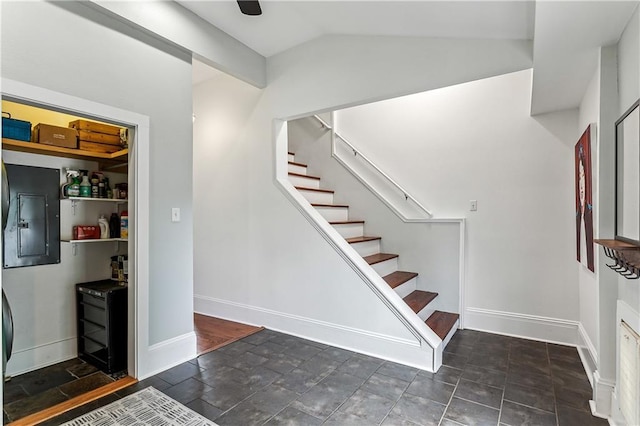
x: 175, y: 214
x: 473, y: 205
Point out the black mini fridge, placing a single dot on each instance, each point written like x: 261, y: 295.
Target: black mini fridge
x: 102, y: 324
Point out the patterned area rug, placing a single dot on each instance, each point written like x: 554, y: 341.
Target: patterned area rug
x: 146, y: 407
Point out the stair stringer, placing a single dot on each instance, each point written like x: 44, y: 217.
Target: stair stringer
x: 430, y: 343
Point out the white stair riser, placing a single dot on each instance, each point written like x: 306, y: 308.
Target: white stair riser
x: 407, y: 287
x: 367, y: 248
x: 386, y: 267
x: 304, y: 181
x: 291, y: 157
x: 334, y: 214
x: 294, y: 168
x: 446, y: 340
x: 316, y: 197
x: 426, y: 311
x: 350, y: 230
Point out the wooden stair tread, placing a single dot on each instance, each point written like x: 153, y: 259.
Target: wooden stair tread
x: 442, y: 322
x: 346, y: 222
x: 293, y: 163
x: 342, y: 206
x: 363, y: 239
x: 304, y: 188
x: 379, y: 257
x: 418, y: 299
x: 397, y: 278
x: 290, y: 153
x: 304, y: 176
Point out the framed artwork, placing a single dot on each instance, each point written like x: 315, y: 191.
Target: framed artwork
x: 584, y: 200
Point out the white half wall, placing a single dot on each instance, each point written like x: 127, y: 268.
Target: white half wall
x: 477, y: 141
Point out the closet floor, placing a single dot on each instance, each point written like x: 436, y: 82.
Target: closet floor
x: 41, y: 389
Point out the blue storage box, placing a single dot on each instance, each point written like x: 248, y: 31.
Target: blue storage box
x: 15, y: 129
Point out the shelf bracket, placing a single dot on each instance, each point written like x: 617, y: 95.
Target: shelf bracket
x: 74, y: 249
x: 74, y: 203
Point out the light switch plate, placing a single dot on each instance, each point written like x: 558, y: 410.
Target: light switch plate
x: 473, y: 205
x: 175, y: 214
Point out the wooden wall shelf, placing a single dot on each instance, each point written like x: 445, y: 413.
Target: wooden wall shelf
x: 625, y: 255
x: 116, y: 161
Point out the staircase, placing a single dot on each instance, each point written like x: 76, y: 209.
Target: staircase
x: 404, y: 283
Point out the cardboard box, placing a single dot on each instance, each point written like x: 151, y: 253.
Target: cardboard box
x: 56, y: 136
x: 86, y: 232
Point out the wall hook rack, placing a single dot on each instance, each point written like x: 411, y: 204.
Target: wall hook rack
x: 625, y: 255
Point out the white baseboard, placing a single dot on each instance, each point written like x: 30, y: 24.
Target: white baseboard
x: 403, y: 351
x: 552, y: 330
x: 25, y: 360
x: 603, y: 391
x: 168, y: 353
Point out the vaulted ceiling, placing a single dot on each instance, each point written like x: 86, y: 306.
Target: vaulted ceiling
x: 566, y: 34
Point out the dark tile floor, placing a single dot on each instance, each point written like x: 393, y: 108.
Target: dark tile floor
x: 34, y: 391
x: 276, y: 379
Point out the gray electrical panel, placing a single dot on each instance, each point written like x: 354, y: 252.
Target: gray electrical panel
x: 32, y: 235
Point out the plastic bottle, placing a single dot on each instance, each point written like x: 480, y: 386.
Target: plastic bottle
x: 109, y: 193
x: 95, y: 180
x: 85, y: 187
x: 114, y: 226
x: 103, y: 223
x: 124, y: 224
x: 74, y: 188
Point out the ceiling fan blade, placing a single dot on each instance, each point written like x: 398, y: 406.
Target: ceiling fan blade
x: 250, y: 7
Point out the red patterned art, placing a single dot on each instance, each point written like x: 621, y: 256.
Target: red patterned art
x: 584, y: 200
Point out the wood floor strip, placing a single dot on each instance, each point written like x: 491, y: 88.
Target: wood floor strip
x: 229, y: 341
x: 76, y: 402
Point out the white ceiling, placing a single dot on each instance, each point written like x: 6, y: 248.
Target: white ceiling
x: 566, y: 34
x: 285, y: 24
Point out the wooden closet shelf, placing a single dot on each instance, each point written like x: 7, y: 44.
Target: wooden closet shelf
x: 106, y: 161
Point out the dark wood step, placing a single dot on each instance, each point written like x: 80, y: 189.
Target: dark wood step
x: 303, y: 188
x: 355, y: 240
x: 379, y: 257
x: 290, y: 153
x: 293, y: 163
x: 304, y: 176
x: 397, y: 278
x: 342, y: 206
x: 346, y: 222
x: 442, y: 322
x: 418, y: 299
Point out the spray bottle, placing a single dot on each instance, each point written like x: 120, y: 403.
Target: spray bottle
x: 72, y: 187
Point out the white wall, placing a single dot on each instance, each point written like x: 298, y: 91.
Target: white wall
x: 587, y: 280
x: 476, y: 141
x: 120, y: 71
x: 629, y: 89
x: 275, y: 264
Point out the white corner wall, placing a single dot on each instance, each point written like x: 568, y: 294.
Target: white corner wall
x: 587, y: 280
x: 477, y: 141
x: 117, y: 70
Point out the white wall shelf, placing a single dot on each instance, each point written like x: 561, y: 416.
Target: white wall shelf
x: 108, y: 200
x: 94, y: 240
